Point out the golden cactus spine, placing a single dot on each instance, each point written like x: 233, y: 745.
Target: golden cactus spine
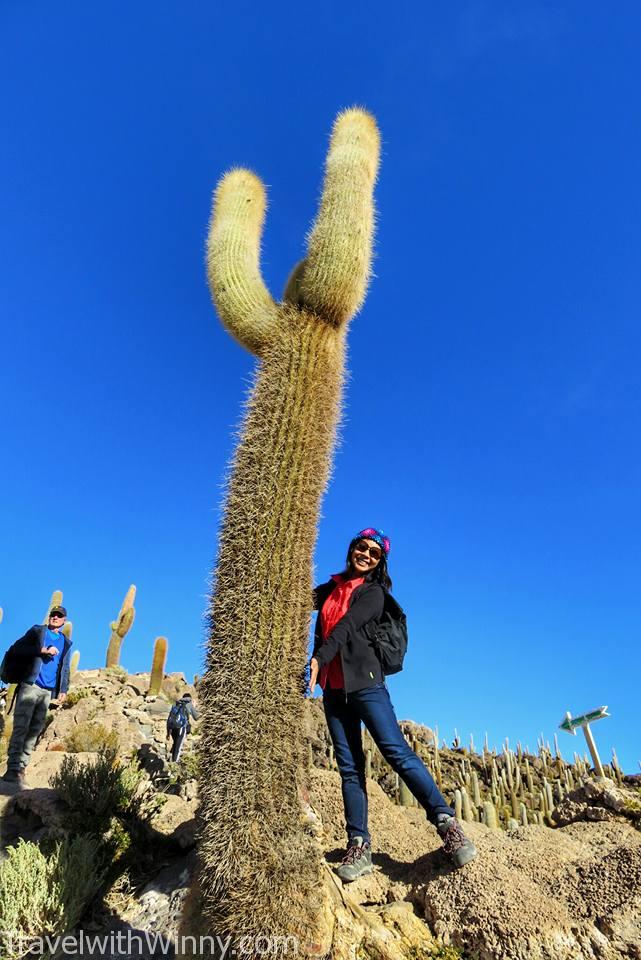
x: 260, y: 872
x: 121, y: 627
x: 158, y: 665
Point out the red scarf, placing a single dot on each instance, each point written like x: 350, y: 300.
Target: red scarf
x: 334, y: 609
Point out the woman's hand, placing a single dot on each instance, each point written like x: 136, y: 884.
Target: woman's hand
x: 313, y: 674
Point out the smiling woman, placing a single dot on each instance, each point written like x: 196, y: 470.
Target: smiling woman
x: 347, y: 666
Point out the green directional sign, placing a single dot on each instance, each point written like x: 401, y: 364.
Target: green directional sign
x: 571, y: 723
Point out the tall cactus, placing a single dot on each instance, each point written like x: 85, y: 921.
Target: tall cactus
x: 121, y: 627
x: 158, y: 666
x: 260, y: 872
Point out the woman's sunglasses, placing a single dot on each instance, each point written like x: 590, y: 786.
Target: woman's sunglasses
x: 374, y: 552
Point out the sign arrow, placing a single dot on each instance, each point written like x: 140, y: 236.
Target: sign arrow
x: 570, y: 723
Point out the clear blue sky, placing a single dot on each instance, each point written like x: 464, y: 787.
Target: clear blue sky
x: 492, y: 415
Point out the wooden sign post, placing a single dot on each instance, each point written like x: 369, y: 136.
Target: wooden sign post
x: 570, y: 723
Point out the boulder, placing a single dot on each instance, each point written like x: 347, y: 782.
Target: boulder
x: 175, y: 821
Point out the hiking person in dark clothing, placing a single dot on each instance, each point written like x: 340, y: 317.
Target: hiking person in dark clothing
x: 178, y: 725
x: 346, y: 664
x: 44, y: 651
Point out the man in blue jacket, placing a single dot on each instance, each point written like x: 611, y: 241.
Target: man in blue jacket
x: 48, y: 676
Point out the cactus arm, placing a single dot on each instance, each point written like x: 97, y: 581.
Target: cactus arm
x: 242, y: 300
x: 338, y: 263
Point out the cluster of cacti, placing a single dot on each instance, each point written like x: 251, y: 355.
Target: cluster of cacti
x: 121, y: 627
x: 158, y: 666
x: 260, y: 871
x: 503, y: 790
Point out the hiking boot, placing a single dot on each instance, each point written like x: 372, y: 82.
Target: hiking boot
x: 456, y: 845
x: 356, y: 862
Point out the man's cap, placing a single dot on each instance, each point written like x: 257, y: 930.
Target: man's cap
x: 61, y: 610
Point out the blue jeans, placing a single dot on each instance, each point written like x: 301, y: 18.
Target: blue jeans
x: 373, y: 707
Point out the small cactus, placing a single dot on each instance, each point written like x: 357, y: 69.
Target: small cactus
x: 405, y: 795
x: 468, y: 816
x: 158, y: 666
x: 8, y: 717
x: 490, y: 818
x: 75, y: 660
x: 121, y: 627
x: 67, y: 630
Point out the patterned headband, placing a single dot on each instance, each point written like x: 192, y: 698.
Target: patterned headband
x: 371, y: 533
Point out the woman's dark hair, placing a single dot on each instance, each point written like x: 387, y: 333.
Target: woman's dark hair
x: 379, y: 574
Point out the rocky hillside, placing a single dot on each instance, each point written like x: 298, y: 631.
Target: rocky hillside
x: 566, y: 886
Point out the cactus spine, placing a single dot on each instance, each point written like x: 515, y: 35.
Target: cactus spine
x: 121, y: 627
x: 158, y: 666
x: 260, y: 873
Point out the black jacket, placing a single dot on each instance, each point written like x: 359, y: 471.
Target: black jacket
x: 30, y: 646
x: 349, y: 638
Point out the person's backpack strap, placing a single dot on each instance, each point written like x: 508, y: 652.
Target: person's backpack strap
x: 389, y: 636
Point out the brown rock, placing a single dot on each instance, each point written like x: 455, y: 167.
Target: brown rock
x: 175, y: 821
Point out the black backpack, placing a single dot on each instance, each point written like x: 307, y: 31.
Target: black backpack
x: 389, y: 636
x: 16, y: 665
x: 178, y: 717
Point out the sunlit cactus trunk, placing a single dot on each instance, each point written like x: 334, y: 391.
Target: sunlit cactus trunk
x: 158, y: 666
x: 56, y: 601
x: 73, y: 666
x: 260, y: 871
x: 121, y: 627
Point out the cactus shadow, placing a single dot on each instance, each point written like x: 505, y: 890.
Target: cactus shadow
x: 429, y: 866
x: 426, y: 867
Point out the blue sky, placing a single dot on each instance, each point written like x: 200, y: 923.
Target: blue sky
x: 492, y: 413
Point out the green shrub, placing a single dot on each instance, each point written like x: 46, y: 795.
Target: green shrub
x: 46, y: 895
x: 186, y: 769
x: 75, y: 695
x: 118, y: 672
x: 97, y: 791
x: 91, y: 737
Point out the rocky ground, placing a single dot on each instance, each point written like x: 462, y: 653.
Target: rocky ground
x: 572, y: 892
